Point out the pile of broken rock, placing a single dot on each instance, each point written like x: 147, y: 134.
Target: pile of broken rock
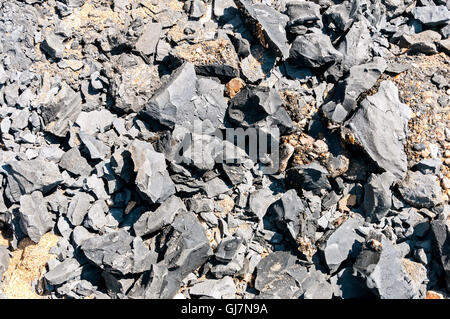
x: 96, y: 98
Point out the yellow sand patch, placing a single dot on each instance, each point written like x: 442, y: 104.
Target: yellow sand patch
x: 27, y: 264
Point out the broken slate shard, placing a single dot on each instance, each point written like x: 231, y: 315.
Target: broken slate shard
x: 343, y: 243
x: 150, y: 222
x: 172, y: 103
x: 432, y: 15
x: 35, y: 219
x: 254, y: 105
x: 267, y: 24
x: 441, y: 240
x: 420, y: 190
x: 345, y: 97
x: 119, y: 253
x: 25, y: 177
x: 286, y: 212
x: 152, y: 178
x: 383, y: 270
x: 311, y: 177
x: 314, y: 50
x: 68, y: 269
x: 61, y: 111
x: 378, y: 196
x: 379, y: 126
x: 147, y: 42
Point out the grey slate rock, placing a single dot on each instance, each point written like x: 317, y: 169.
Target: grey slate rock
x: 420, y: 190
x: 380, y: 127
x: 303, y: 13
x: 310, y: 177
x: 73, y: 162
x: 287, y: 212
x: 61, y: 111
x: 119, y: 253
x: 35, y: 219
x: 360, y: 79
x: 152, y: 177
x: 314, y: 50
x: 147, y: 42
x: 268, y: 23
x: 187, y: 250
x: 172, y: 104
x: 378, y: 196
x: 384, y: 272
x: 150, y: 222
x: 79, y: 207
x: 255, y: 104
x: 432, y: 15
x: 25, y: 177
x: 228, y: 247
x: 272, y: 278
x: 215, y: 288
x: 53, y: 45
x: 97, y: 150
x: 68, y: 269
x: 343, y: 243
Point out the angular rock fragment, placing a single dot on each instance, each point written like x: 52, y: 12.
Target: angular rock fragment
x: 303, y: 13
x: 378, y: 196
x: 61, y: 111
x: 187, y: 250
x: 360, y: 79
x: 380, y: 127
x: 78, y: 208
x: 380, y: 263
x: 63, y: 272
x: 210, y: 58
x: 147, y: 42
x: 432, y: 15
x: 255, y: 104
x: 152, y: 178
x: 35, y: 219
x: 272, y: 278
x: 420, y: 190
x: 95, y: 121
x: 311, y: 177
x: 314, y: 50
x: 172, y: 103
x: 25, y: 177
x: 73, y: 162
x: 343, y: 243
x: 53, y: 45
x: 97, y: 150
x: 215, y: 288
x: 287, y: 212
x: 228, y: 248
x: 267, y: 24
x: 119, y: 253
x: 163, y: 216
